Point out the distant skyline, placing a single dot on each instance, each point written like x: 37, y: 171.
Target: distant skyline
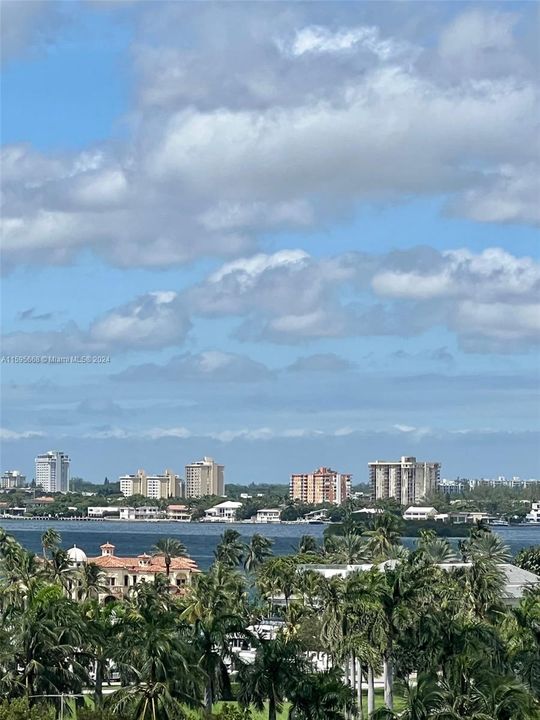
x: 304, y: 234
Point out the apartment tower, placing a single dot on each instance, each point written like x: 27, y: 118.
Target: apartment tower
x: 52, y: 472
x: 406, y: 480
x: 320, y: 486
x: 204, y: 477
x: 157, y: 487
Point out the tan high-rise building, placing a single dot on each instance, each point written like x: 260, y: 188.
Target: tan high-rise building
x: 158, y: 487
x: 322, y: 485
x: 205, y: 477
x: 406, y: 480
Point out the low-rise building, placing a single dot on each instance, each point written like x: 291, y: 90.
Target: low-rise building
x: 419, y: 513
x: 224, y: 512
x: 101, y: 511
x: 180, y: 513
x: 145, y: 512
x: 268, y: 515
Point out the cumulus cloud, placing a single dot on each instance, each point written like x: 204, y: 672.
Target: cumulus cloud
x: 290, y: 297
x: 150, y: 321
x: 282, y: 136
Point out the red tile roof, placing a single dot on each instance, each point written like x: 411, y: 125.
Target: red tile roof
x: 153, y: 564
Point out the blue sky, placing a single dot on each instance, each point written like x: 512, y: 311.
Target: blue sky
x: 304, y: 234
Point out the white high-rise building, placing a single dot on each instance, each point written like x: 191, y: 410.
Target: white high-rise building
x: 52, y: 472
x: 406, y: 480
x: 205, y: 477
x: 12, y: 479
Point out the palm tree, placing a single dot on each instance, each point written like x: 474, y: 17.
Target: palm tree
x: 169, y: 548
x: 50, y: 540
x: 434, y: 549
x: 489, y: 546
x: 276, y: 671
x: 321, y: 696
x: 384, y: 535
x: 258, y: 550
x: 230, y: 549
x: 307, y: 544
x: 349, y: 548
x: 90, y: 579
x: 215, y: 608
x: 100, y: 629
x: 278, y: 576
x: 158, y: 664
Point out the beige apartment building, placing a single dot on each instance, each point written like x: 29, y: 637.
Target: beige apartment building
x: 407, y: 480
x: 322, y: 485
x: 205, y: 477
x: 158, y: 487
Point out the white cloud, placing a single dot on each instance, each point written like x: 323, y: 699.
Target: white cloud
x: 12, y: 435
x: 154, y: 320
x: 494, y: 273
x: 317, y: 39
x: 511, y: 195
x: 247, y: 270
x: 262, y: 140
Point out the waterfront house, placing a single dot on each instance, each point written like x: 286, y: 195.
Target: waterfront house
x: 224, y: 512
x: 180, y: 513
x: 534, y: 516
x: 268, y: 515
x: 419, y: 513
x: 101, y: 511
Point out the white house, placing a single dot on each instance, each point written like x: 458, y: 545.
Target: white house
x: 419, y: 513
x: 224, y: 512
x: 100, y: 511
x: 534, y: 516
x: 268, y: 515
x: 145, y: 512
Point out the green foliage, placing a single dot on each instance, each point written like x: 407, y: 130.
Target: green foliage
x: 529, y: 559
x: 475, y: 656
x: 19, y: 709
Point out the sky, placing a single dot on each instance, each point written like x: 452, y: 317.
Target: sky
x: 298, y: 235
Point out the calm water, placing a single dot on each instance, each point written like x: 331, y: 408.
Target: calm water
x: 199, y: 538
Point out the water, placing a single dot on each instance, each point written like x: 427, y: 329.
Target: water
x: 132, y: 538
x: 200, y: 538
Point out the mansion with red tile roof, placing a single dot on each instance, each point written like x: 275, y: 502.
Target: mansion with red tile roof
x: 120, y: 574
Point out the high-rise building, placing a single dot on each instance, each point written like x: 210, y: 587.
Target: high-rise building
x: 204, y: 477
x: 158, y: 487
x: 407, y: 480
x: 52, y: 472
x: 322, y: 485
x: 12, y: 479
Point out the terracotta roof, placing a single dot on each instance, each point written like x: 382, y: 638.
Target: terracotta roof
x: 156, y: 564
x: 107, y: 545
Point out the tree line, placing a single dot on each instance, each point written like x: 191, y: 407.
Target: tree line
x: 447, y: 644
